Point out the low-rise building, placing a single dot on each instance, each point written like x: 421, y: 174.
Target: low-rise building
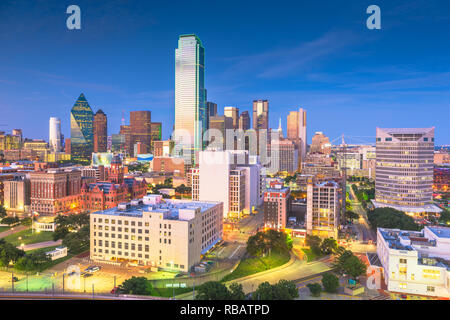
x: 156, y: 232
x: 414, y: 262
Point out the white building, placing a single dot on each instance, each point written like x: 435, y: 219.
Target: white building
x: 229, y: 176
x: 59, y: 252
x: 54, y: 136
x: 404, y: 170
x: 323, y: 205
x: 416, y: 262
x: 166, y: 234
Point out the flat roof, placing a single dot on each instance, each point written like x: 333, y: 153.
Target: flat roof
x: 440, y: 232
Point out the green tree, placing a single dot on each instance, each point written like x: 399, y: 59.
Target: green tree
x: 314, y: 242
x: 10, y: 220
x: 9, y: 253
x: 285, y: 290
x: 2, y: 211
x: 315, y: 289
x: 328, y: 246
x: 136, y: 285
x: 212, y: 290
x: 445, y: 217
x: 77, y: 242
x: 265, y: 291
x: 392, y: 219
x: 354, y: 267
x: 236, y: 292
x: 351, y: 215
x: 26, y: 221
x: 60, y: 233
x: 330, y: 282
x: 343, y: 255
x: 32, y: 262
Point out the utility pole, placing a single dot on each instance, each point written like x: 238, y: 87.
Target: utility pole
x: 344, y: 183
x: 12, y: 281
x: 63, y: 284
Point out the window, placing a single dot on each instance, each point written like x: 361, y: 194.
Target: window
x: 430, y: 289
x: 402, y: 285
x: 403, y: 261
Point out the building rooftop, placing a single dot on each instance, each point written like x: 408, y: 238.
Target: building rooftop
x: 440, y: 232
x: 170, y: 208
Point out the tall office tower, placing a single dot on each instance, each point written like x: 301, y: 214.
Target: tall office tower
x: 323, y: 207
x: 244, y: 121
x: 156, y: 129
x: 54, y: 136
x: 211, y: 108
x: 190, y: 94
x: 404, y: 170
x: 125, y: 134
x: 141, y: 129
x: 283, y: 156
x: 222, y: 124
x: 100, y: 131
x: 233, y: 113
x: 18, y: 133
x: 260, y: 114
x: 67, y: 146
x: 320, y: 144
x: 296, y: 130
x: 81, y: 130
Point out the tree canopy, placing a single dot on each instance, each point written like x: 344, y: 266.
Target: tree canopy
x: 283, y: 290
x: 136, y: 285
x: 263, y: 242
x: 392, y: 219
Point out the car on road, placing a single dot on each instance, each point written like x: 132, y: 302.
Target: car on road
x: 92, y: 269
x: 87, y: 275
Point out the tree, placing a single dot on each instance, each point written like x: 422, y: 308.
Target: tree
x: 328, y: 246
x: 32, y: 262
x: 60, y: 233
x: 340, y: 260
x: 264, y: 292
x: 213, y: 290
x: 77, y: 242
x: 351, y: 215
x: 9, y: 253
x: 314, y: 242
x: 2, y: 211
x: 445, y: 217
x: 315, y: 289
x: 136, y: 285
x: 264, y: 242
x: 236, y: 292
x: 392, y: 219
x: 330, y: 282
x: 10, y: 220
x: 26, y: 221
x: 285, y: 290
x: 354, y: 267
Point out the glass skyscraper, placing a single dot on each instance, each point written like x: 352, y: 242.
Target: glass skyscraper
x: 81, y: 130
x: 190, y: 94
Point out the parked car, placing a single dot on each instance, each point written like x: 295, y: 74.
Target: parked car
x: 87, y: 275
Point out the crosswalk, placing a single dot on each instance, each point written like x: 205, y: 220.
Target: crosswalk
x: 380, y: 297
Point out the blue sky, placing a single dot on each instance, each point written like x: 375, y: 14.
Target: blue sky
x: 318, y: 55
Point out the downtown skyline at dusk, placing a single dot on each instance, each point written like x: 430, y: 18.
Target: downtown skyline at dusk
x: 349, y: 78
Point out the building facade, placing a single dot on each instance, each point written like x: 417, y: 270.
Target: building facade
x: 404, y: 170
x: 54, y: 136
x: 165, y: 234
x: 277, y: 205
x: 81, y: 130
x: 100, y: 131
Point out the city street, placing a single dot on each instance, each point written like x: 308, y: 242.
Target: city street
x: 362, y: 224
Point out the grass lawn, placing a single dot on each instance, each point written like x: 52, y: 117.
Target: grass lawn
x: 28, y: 237
x: 311, y: 255
x: 254, y: 265
x: 168, y: 292
x: 4, y: 228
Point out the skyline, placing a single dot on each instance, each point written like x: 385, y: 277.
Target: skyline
x: 343, y: 66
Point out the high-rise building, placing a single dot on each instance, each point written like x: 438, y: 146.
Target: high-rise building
x: 244, y: 121
x: 260, y: 114
x: 141, y: 129
x: 17, y: 194
x: 404, y: 170
x: 211, y: 108
x: 81, y: 130
x: 233, y: 113
x: 320, y: 144
x: 323, y: 206
x: 163, y: 148
x: 173, y: 234
x: 222, y: 124
x: 190, y: 95
x: 125, y: 134
x: 55, y: 191
x: 100, y: 131
x: 283, y: 155
x: 54, y: 136
x: 296, y: 130
x: 156, y: 129
x: 277, y: 205
x: 231, y: 177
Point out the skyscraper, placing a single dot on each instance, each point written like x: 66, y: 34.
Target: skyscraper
x: 81, y: 130
x: 156, y: 128
x: 404, y: 170
x: 141, y: 129
x: 296, y: 130
x: 244, y: 121
x: 211, y: 108
x: 190, y: 93
x: 233, y: 113
x: 260, y: 114
x: 100, y: 131
x: 54, y: 136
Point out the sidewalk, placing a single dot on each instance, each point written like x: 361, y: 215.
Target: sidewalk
x: 39, y: 245
x: 16, y: 229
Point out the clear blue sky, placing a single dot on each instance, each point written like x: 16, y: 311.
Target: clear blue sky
x: 318, y: 55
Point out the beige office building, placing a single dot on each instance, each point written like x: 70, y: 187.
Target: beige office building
x: 404, y: 170
x: 156, y: 232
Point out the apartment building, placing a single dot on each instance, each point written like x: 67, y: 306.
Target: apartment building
x: 414, y: 262
x: 156, y: 232
x: 277, y: 205
x: 323, y: 208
